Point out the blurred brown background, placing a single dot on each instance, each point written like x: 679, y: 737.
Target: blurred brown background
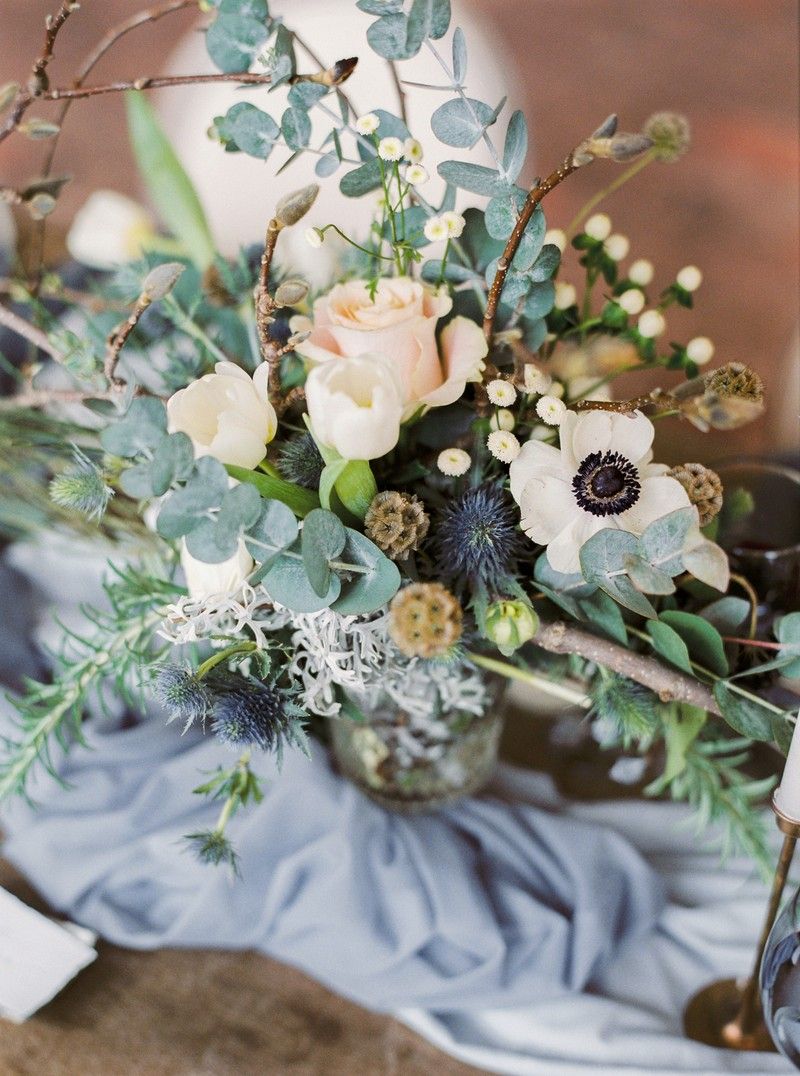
x: 730, y: 206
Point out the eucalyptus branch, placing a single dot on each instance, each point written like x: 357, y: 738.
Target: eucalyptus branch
x: 459, y: 89
x: 401, y: 93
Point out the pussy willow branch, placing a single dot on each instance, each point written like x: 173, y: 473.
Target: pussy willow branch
x: 669, y: 684
x: 29, y: 332
x: 535, y: 196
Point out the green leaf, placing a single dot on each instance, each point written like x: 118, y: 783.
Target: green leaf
x: 646, y: 578
x: 603, y: 560
x: 300, y: 500
x: 275, y: 530
x: 682, y: 726
x: 296, y: 128
x: 745, y: 715
x: 168, y: 184
x: 787, y: 630
x: 461, y: 122
x: 361, y: 180
x: 782, y: 732
x: 388, y: 36
x: 141, y: 429
x: 516, y: 145
x: 283, y: 58
x: 474, y: 177
x: 459, y: 55
x: 238, y: 34
x: 540, y: 300
x: 727, y: 614
x: 369, y: 591
x: 546, y: 264
x: 502, y: 213
x: 286, y: 582
x: 186, y: 508
x: 356, y: 487
x: 603, y: 612
x: 669, y: 645
x: 249, y: 129
x: 703, y: 640
x: 663, y: 541
x: 322, y: 540
x: 215, y: 540
x: 173, y: 462
x: 328, y: 479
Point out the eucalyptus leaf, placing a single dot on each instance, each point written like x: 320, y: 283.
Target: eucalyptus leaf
x: 516, y: 145
x: 173, y: 462
x: 238, y: 34
x: 361, y: 180
x: 296, y: 128
x: 306, y: 94
x: 546, y: 264
x: 459, y: 55
x: 540, y: 300
x: 327, y: 165
x: 188, y: 507
x: 787, y: 631
x: 322, y: 540
x: 663, y: 540
x: 745, y: 715
x: 141, y: 429
x: 476, y: 178
x: 603, y: 559
x: 461, y: 122
x: 646, y: 578
x: 603, y: 612
x: 502, y: 213
x: 388, y: 36
x: 369, y: 591
x: 709, y: 563
x: 286, y: 582
x: 275, y: 530
x: 669, y: 645
x: 248, y: 129
x: 727, y: 614
x: 703, y: 640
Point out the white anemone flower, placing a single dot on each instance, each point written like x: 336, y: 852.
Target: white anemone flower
x: 601, y: 477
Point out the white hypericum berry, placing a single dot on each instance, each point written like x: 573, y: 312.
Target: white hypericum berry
x: 536, y: 380
x: 700, y: 350
x: 502, y: 419
x: 651, y: 324
x: 413, y: 149
x: 689, y: 278
x: 390, y: 149
x: 314, y: 237
x: 455, y: 224
x: 598, y: 226
x: 617, y: 247
x: 556, y: 389
x: 367, y: 124
x: 551, y: 410
x: 503, y: 446
x: 435, y: 229
x: 501, y: 393
x: 556, y: 237
x: 416, y: 175
x: 565, y: 295
x: 641, y: 272
x: 454, y: 462
x: 632, y: 301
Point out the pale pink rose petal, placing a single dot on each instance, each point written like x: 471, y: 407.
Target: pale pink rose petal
x: 464, y: 348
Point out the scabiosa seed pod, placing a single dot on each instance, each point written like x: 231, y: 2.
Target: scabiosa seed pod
x: 182, y: 694
x: 397, y: 523
x: 425, y: 620
x: 299, y: 461
x: 478, y: 537
x: 82, y: 488
x: 736, y: 379
x: 670, y: 133
x: 252, y: 713
x: 704, y: 487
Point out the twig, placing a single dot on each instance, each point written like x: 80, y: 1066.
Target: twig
x: 535, y: 196
x: 401, y: 93
x: 118, y: 338
x: 669, y: 684
x: 42, y: 397
x: 61, y: 293
x: 265, y: 304
x: 243, y: 78
x: 29, y: 332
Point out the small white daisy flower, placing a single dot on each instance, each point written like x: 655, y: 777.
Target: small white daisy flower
x: 617, y: 247
x: 700, y: 350
x: 556, y: 238
x: 536, y: 380
x: 454, y: 462
x: 455, y: 224
x: 413, y: 150
x: 651, y: 324
x: 390, y: 149
x: 565, y: 295
x: 598, y: 226
x: 503, y: 445
x: 501, y: 393
x: 416, y: 175
x: 632, y: 301
x: 502, y: 419
x: 689, y: 278
x: 641, y: 272
x: 314, y: 237
x: 436, y: 229
x: 551, y: 410
x: 367, y: 124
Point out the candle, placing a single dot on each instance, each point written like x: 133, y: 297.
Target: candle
x: 787, y: 794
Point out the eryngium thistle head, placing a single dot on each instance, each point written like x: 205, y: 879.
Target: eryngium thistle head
x: 703, y: 486
x: 252, y: 713
x: 82, y: 488
x: 670, y: 133
x: 299, y: 461
x: 425, y: 620
x: 212, y: 846
x: 182, y: 694
x: 397, y: 523
x: 478, y: 537
x: 736, y: 379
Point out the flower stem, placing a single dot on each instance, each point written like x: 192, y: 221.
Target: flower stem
x: 513, y: 672
x: 597, y: 198
x: 223, y: 655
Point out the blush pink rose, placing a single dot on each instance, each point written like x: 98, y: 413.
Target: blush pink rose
x: 399, y: 324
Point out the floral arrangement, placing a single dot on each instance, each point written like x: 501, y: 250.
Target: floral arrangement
x: 424, y: 472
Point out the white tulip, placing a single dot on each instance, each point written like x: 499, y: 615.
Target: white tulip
x: 210, y: 580
x: 109, y: 230
x: 227, y: 414
x: 355, y: 406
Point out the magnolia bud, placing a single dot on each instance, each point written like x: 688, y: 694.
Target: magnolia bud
x: 7, y: 94
x: 160, y: 281
x: 293, y: 207
x: 510, y: 624
x: 291, y: 292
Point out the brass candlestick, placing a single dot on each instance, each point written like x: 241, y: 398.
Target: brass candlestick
x: 727, y: 1013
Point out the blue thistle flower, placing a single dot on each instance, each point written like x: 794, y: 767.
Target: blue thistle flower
x: 182, y: 694
x: 478, y: 538
x: 256, y: 713
x: 299, y: 461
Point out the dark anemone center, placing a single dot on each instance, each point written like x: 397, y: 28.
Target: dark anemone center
x: 606, y: 484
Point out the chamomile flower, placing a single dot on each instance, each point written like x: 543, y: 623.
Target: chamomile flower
x: 502, y: 419
x: 651, y: 324
x: 536, y: 381
x: 501, y: 393
x: 503, y: 445
x: 436, y: 229
x: 551, y: 410
x: 617, y: 247
x: 556, y: 238
x: 598, y: 226
x: 632, y: 301
x: 367, y: 124
x: 700, y: 350
x: 390, y: 149
x: 413, y: 150
x: 455, y: 224
x: 641, y: 272
x: 314, y: 237
x: 416, y: 175
x: 454, y: 462
x: 565, y: 295
x: 689, y: 278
